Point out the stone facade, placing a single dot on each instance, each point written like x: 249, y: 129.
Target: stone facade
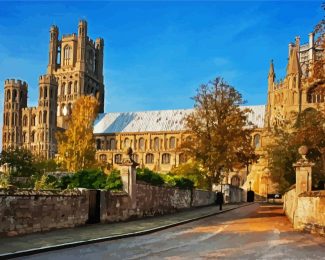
x: 75, y: 69
x: 23, y: 212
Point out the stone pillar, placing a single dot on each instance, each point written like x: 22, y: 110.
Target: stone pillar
x: 303, y: 169
x: 128, y: 175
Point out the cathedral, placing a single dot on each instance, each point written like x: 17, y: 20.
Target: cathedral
x: 75, y: 69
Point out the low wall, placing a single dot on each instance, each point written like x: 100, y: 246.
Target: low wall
x: 290, y: 203
x: 151, y: 201
x: 26, y: 211
x: 310, y: 212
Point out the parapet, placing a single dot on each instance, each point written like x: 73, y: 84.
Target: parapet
x: 99, y: 42
x: 47, y: 79
x: 15, y: 82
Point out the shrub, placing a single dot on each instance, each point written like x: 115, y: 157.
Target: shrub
x: 176, y: 181
x: 149, y: 177
x: 114, y: 181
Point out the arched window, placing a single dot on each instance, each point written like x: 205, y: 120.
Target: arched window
x: 62, y: 92
x: 40, y: 92
x: 63, y: 110
x: 25, y: 120
x: 156, y: 143
x: 69, y: 109
x: 103, y: 157
x: 33, y: 123
x: 75, y: 87
x: 141, y: 144
x: 14, y: 95
x: 165, y: 158
x: 118, y: 158
x: 45, y: 117
x: 32, y: 137
x: 67, y: 55
x: 7, y: 119
x: 69, y: 88
x: 8, y: 95
x: 126, y: 143
x: 45, y: 92
x: 24, y: 137
x: 98, y: 144
x: 182, y: 158
x: 135, y: 157
x: 172, y: 143
x: 257, y: 141
x: 112, y: 144
x: 40, y: 117
x: 14, y: 119
x: 316, y: 94
x: 4, y: 137
x: 150, y: 158
x: 235, y: 181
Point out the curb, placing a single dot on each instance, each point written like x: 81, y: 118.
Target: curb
x: 110, y: 238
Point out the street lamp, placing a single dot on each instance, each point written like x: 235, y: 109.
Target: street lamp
x: 250, y: 185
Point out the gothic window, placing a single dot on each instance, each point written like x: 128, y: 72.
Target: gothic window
x: 156, y: 143
x: 45, y: 92
x: 75, y: 87
x: 118, y: 158
x: 316, y: 94
x: 69, y: 108
x: 172, y: 143
x: 32, y: 137
x: 33, y: 123
x: 4, y: 137
x: 149, y: 158
x: 45, y: 117
x: 98, y: 144
x: 25, y: 120
x: 112, y: 144
x: 14, y: 95
x: 7, y: 119
x: 40, y: 93
x: 8, y: 95
x: 24, y: 137
x: 62, y: 89
x: 14, y: 119
x: 141, y: 144
x: 182, y: 158
x: 103, y: 157
x: 63, y: 109
x: 40, y: 117
x: 165, y: 158
x: 69, y: 88
x: 67, y: 55
x: 257, y: 141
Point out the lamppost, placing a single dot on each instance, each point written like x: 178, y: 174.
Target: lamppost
x: 250, y: 185
x: 267, y: 173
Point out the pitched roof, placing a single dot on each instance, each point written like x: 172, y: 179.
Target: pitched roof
x: 157, y: 121
x: 293, y: 65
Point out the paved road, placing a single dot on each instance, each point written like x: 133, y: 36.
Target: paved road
x: 253, y: 232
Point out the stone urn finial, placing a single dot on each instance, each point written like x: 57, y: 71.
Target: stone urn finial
x: 128, y: 151
x: 303, y: 150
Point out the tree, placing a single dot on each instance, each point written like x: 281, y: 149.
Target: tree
x: 218, y: 129
x: 76, y: 145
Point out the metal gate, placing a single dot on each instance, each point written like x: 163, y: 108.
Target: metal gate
x: 94, y: 207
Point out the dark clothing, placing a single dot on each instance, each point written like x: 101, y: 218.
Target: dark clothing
x: 219, y: 199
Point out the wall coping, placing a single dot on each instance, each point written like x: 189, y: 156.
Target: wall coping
x: 317, y: 194
x: 30, y: 192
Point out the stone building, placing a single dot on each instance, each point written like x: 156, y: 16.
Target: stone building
x: 75, y: 68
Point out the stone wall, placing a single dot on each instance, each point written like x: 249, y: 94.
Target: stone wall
x: 27, y: 211
x: 289, y: 203
x: 310, y: 212
x: 151, y: 201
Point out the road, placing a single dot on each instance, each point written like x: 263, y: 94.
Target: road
x: 252, y: 232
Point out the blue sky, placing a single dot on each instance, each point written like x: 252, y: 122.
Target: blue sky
x: 158, y: 53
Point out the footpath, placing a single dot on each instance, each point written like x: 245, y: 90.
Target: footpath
x: 63, y: 238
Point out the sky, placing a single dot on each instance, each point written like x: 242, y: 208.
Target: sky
x: 157, y: 53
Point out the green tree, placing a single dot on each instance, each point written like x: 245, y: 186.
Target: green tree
x: 218, y: 129
x: 76, y: 145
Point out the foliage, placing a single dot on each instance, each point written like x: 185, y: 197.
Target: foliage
x: 283, y: 152
x: 45, y: 182
x: 4, y: 180
x: 219, y: 129
x: 149, y: 176
x: 76, y: 144
x: 92, y: 179
x: 192, y: 170
x: 179, y: 182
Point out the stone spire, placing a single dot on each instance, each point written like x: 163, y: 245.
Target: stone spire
x: 271, y: 71
x: 293, y: 65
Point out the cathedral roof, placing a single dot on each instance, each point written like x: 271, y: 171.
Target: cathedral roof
x: 157, y: 121
x: 293, y: 66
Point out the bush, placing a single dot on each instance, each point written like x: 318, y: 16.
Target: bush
x: 176, y: 181
x: 149, y: 177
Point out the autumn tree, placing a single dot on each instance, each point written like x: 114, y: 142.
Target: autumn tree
x: 218, y: 127
x: 76, y: 144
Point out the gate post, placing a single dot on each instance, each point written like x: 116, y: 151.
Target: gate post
x: 303, y: 169
x: 128, y: 175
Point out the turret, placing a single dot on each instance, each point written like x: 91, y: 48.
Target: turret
x: 311, y: 46
x: 271, y: 77
x: 53, y: 49
x: 47, y: 108
x: 82, y: 39
x: 270, y: 94
x: 15, y: 99
x: 99, y: 72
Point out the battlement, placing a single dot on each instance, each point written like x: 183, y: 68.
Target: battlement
x: 54, y: 28
x: 47, y: 79
x: 16, y: 82
x: 69, y: 35
x: 99, y: 42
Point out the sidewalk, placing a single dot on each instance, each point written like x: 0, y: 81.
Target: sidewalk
x: 63, y: 238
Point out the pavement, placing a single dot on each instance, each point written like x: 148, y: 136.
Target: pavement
x: 64, y: 238
x: 257, y: 231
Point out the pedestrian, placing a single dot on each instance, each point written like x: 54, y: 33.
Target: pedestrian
x: 219, y: 200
